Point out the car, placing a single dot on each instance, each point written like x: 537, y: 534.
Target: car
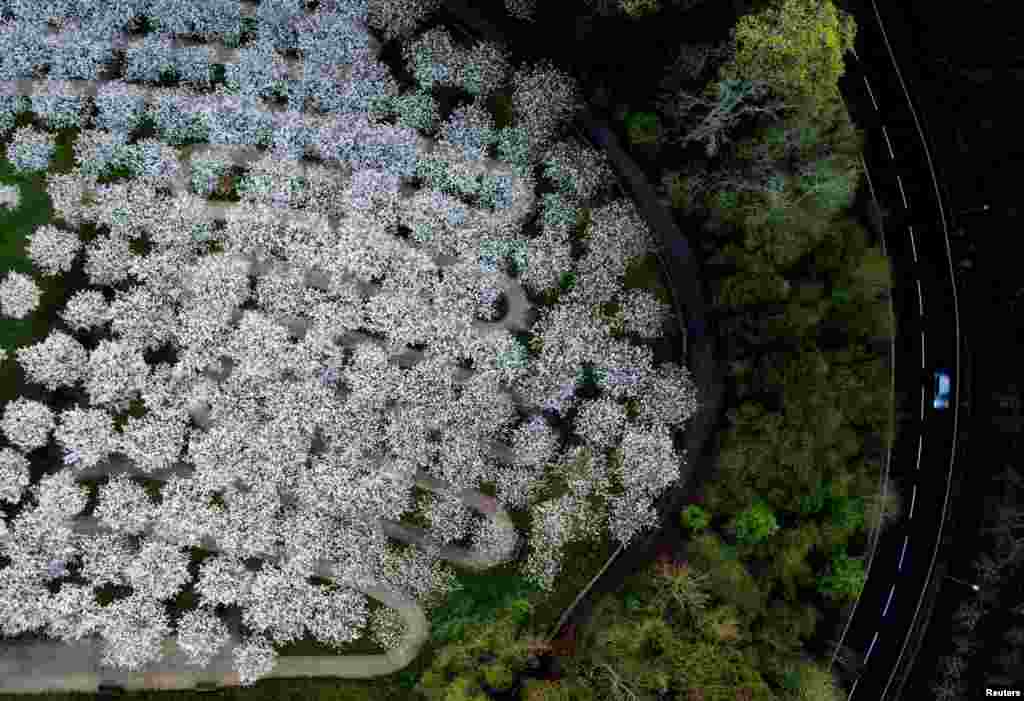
x: 942, y: 387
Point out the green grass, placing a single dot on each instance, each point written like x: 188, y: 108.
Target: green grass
x: 33, y: 211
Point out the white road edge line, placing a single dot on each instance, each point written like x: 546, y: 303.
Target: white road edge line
x: 871, y: 647
x: 871, y: 93
x: 888, y: 143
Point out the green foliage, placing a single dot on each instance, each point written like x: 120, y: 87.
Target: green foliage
x: 643, y: 128
x: 752, y: 288
x: 797, y: 47
x: 756, y: 524
x: 814, y: 502
x: 488, y: 654
x: 830, y: 183
x: 694, y: 518
x: 844, y: 578
x: 476, y: 601
x: 847, y: 513
x: 728, y: 579
x: 789, y: 566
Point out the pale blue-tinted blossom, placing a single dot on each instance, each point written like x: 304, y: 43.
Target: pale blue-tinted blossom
x: 260, y: 70
x: 151, y: 60
x: 235, y: 120
x: 194, y: 64
x: 120, y: 106
x: 433, y: 59
x: 97, y: 151
x: 24, y: 49
x: 517, y: 148
x: 14, y: 475
x: 154, y: 161
x: 57, y: 361
x: 205, y: 18
x: 279, y: 22
x: 482, y: 69
x: 73, y: 58
x: 417, y: 110
x: 60, y: 107
x: 207, y: 171
x: 31, y: 149
x: 471, y: 128
x: 27, y: 423
x: 178, y: 116
x: 496, y: 190
x: 19, y: 295
x: 559, y: 215
x: 292, y: 135
x: 332, y: 36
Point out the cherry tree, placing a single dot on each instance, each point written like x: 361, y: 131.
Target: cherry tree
x: 53, y: 250
x: 58, y: 361
x: 27, y: 423
x: 19, y: 295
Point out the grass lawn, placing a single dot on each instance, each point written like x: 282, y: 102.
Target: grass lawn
x: 16, y: 225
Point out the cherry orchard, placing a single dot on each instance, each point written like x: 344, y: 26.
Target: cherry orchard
x: 330, y: 342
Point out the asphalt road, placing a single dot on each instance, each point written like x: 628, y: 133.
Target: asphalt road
x: 906, y: 183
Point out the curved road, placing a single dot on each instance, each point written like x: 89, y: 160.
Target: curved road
x: 902, y: 175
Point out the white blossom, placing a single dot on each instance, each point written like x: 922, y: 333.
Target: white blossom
x: 387, y: 627
x: 60, y: 496
x: 87, y: 434
x: 223, y: 581
x: 644, y: 314
x: 254, y: 659
x: 133, y: 632
x: 117, y: 372
x: 19, y: 295
x: 160, y: 570
x: 14, y: 475
x: 57, y: 361
x: 53, y: 250
x: 601, y: 422
x: 201, y: 634
x: 124, y: 506
x: 27, y: 423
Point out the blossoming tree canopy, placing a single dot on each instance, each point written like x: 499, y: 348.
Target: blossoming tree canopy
x: 352, y: 327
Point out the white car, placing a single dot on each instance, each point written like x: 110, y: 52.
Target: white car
x: 942, y: 388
